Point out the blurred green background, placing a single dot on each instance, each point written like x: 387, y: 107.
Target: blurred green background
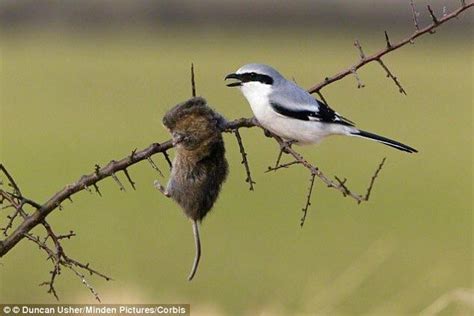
x: 72, y: 98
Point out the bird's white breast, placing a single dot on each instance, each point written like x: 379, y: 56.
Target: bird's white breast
x: 257, y: 95
x: 305, y: 132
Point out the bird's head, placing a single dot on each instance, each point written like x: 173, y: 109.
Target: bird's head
x: 254, y: 77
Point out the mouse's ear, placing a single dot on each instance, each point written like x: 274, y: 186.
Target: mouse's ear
x: 168, y: 120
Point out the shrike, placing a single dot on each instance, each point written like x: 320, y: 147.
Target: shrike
x: 292, y: 113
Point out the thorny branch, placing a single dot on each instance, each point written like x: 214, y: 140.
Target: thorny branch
x: 245, y: 162
x: 308, y: 199
x: 377, y: 56
x: 20, y: 221
x: 54, y: 252
x: 327, y: 181
x: 83, y: 183
x: 415, y: 15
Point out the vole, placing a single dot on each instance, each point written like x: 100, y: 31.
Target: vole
x: 199, y: 167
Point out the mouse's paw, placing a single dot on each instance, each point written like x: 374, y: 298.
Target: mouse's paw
x: 161, y: 188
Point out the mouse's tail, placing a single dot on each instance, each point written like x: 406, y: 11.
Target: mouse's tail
x: 197, y: 256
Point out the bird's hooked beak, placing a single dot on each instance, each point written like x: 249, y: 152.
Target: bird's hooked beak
x: 233, y: 76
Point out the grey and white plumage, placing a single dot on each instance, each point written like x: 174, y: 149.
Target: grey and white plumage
x: 291, y: 112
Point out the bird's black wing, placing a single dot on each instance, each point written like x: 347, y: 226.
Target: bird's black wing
x: 322, y: 113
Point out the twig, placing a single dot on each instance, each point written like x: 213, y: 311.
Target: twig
x: 129, y: 179
x: 391, y: 76
x: 322, y: 97
x: 277, y: 162
x: 245, y: 162
x: 433, y: 16
x: 337, y: 185
x: 344, y: 189
x: 16, y: 189
x: 280, y: 153
x: 60, y: 259
x: 285, y: 165
x: 86, y: 284
x: 372, y: 180
x: 359, y: 48
x: 387, y: 40
x: 193, y: 83
x: 415, y: 15
x: 96, y: 187
x: 376, y: 56
x: 360, y: 84
x: 154, y: 166
x: 308, y: 199
x: 167, y: 158
x: 116, y: 179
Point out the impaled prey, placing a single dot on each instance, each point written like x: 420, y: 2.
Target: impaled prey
x: 199, y: 167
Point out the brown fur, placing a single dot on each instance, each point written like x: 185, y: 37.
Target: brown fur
x: 199, y: 167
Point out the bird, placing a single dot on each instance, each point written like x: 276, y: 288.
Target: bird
x: 290, y: 112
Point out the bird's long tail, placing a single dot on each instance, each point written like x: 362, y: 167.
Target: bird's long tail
x: 197, y: 256
x: 384, y: 140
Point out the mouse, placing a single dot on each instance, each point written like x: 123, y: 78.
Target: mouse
x: 199, y: 167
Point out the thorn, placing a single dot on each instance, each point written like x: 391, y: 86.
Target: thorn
x: 433, y: 16
x: 387, y: 40
x: 322, y: 97
x: 360, y: 84
x: 392, y: 76
x: 96, y: 169
x: 154, y: 166
x: 361, y: 51
x: 168, y: 160
x: 308, y: 199
x: 122, y: 188
x: 193, y: 83
x: 129, y: 178
x: 415, y: 15
x: 372, y: 180
x: 132, y: 155
x: 96, y: 187
x: 244, y: 161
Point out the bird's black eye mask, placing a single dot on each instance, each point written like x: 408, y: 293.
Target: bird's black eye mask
x: 249, y: 77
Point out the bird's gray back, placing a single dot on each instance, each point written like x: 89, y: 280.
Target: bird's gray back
x: 290, y: 95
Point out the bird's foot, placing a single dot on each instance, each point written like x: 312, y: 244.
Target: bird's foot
x: 284, y: 145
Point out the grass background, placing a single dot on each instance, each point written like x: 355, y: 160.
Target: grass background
x: 71, y: 101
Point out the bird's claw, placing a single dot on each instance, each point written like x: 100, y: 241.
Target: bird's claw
x: 285, y: 145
